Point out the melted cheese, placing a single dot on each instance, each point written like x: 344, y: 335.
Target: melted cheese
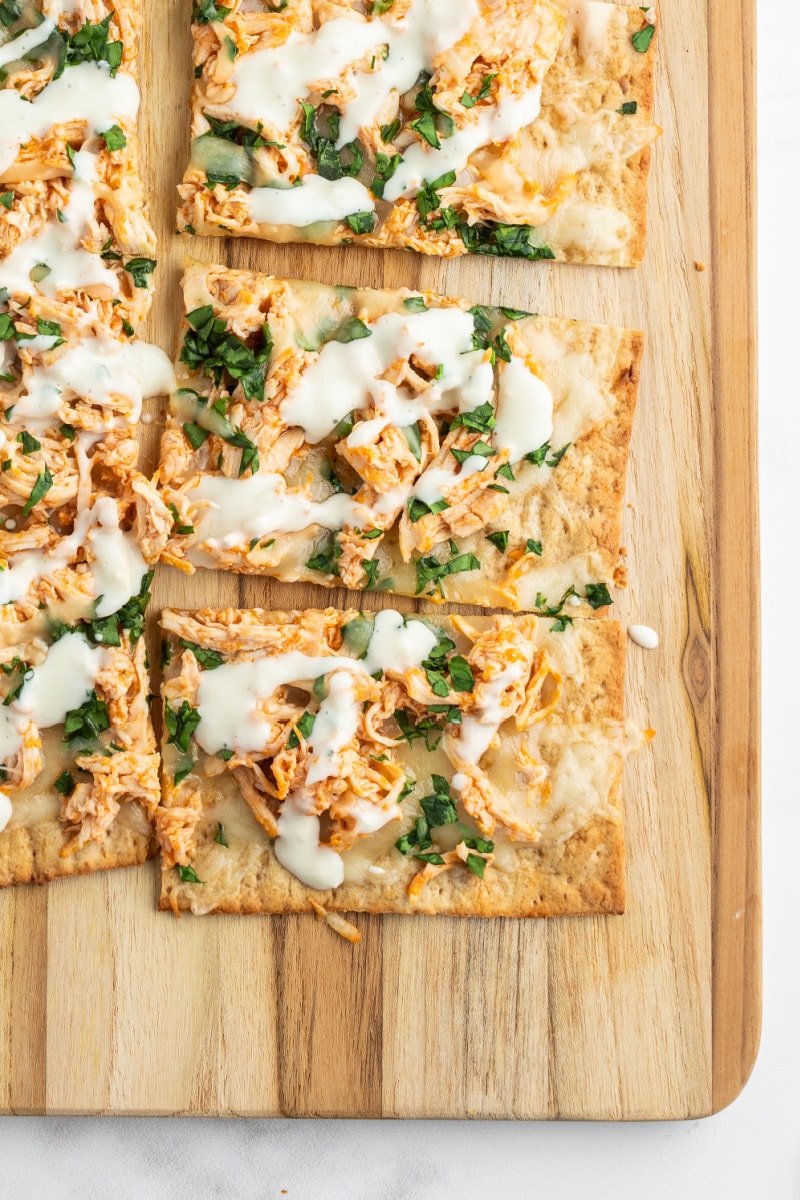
x: 24, y: 42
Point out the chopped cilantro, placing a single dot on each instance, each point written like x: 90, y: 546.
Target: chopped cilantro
x: 44, y: 481
x: 499, y: 539
x: 302, y: 726
x: 361, y: 222
x: 29, y: 443
x: 209, y: 660
x: 209, y: 346
x: 114, y: 138
x: 431, y: 570
x: 188, y: 874
x: 65, y: 784
x: 90, y: 44
x: 598, y: 595
x: 181, y: 724
x: 643, y: 37
x: 139, y: 269
x: 87, y: 722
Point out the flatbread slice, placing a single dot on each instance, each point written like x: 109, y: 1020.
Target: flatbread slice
x: 451, y: 127
x: 78, y: 754
x: 397, y: 441
x: 73, y: 223
x: 381, y: 763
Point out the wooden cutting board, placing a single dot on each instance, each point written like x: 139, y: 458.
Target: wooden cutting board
x: 107, y: 1006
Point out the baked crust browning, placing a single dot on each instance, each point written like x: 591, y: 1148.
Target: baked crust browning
x: 521, y: 531
x: 547, y: 803
x: 563, y: 180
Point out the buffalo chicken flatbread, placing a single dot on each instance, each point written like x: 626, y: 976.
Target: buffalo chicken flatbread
x: 447, y: 126
x: 73, y: 225
x: 78, y: 757
x: 390, y: 763
x: 397, y: 441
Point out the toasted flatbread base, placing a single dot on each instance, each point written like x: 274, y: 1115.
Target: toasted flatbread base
x: 32, y: 854
x: 588, y: 483
x: 602, y: 221
x: 580, y: 874
x: 584, y: 875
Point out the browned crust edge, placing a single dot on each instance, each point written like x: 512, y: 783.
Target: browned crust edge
x: 583, y: 875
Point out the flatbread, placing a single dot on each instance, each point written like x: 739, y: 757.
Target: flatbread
x: 482, y: 514
x: 77, y: 748
x: 73, y: 221
x: 525, y: 766
x: 421, y: 128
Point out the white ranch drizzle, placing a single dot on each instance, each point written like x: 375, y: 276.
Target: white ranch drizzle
x: 232, y: 511
x: 269, y: 82
x: 58, y: 685
x: 85, y: 92
x: 335, y: 725
x: 496, y: 123
x: 436, y: 482
x: 19, y: 46
x: 117, y: 569
x: 298, y: 849
x: 316, y: 199
x: 230, y: 700
x: 476, y: 732
x: 524, y: 417
x: 345, y: 376
x: 397, y: 643
x: 98, y: 369
x: 71, y: 267
x: 643, y: 636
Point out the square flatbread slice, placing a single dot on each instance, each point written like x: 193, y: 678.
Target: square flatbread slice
x: 396, y: 441
x: 515, y: 128
x: 77, y: 750
x: 73, y: 225
x: 382, y: 763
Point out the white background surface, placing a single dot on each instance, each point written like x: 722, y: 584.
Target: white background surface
x: 752, y: 1150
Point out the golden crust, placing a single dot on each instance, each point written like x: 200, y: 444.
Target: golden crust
x: 572, y: 508
x: 592, y: 209
x: 33, y: 854
x: 580, y: 872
